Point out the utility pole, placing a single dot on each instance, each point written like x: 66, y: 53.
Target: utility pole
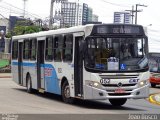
x: 51, y: 11
x: 138, y: 11
x: 24, y: 8
x: 51, y: 15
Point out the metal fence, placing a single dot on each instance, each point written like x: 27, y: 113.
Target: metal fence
x: 5, y: 56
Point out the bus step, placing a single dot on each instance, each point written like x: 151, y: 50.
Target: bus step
x: 41, y: 90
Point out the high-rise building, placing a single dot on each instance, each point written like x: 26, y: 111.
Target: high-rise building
x: 84, y: 13
x: 73, y: 14
x: 90, y: 14
x: 95, y: 18
x: 68, y: 12
x: 122, y: 17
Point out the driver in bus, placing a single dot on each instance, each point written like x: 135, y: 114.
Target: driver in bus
x: 125, y: 51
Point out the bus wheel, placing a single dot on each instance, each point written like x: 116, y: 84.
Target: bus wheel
x: 118, y: 102
x: 153, y: 85
x: 29, y: 84
x: 66, y: 93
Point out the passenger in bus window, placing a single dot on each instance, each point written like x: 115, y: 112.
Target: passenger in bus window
x: 132, y: 49
x: 112, y: 52
x: 125, y: 51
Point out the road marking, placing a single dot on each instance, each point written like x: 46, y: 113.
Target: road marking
x: 154, y: 98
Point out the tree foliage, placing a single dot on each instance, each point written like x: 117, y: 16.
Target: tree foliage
x: 23, y: 27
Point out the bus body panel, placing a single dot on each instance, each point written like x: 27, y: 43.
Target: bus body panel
x: 63, y: 74
x: 14, y: 70
x: 33, y: 73
x: 25, y: 67
x: 51, y: 79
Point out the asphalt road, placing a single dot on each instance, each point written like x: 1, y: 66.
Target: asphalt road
x: 14, y: 99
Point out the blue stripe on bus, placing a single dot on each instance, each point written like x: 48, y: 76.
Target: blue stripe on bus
x: 51, y: 80
x: 25, y: 64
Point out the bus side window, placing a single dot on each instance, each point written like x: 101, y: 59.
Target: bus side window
x: 33, y: 44
x: 68, y: 48
x: 49, y: 48
x: 14, y: 49
x: 58, y: 45
x: 26, y: 49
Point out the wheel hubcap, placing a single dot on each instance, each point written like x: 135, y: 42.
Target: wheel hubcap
x: 67, y: 92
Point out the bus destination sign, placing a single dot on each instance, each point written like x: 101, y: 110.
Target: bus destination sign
x: 121, y: 29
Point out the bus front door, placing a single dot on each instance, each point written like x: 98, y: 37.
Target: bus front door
x: 20, y: 66
x: 78, y: 68
x: 40, y: 65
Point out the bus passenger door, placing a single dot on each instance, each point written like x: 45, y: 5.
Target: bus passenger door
x: 78, y: 67
x: 40, y: 63
x: 20, y: 62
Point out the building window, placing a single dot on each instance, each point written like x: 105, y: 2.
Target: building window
x: 49, y: 48
x: 15, y: 50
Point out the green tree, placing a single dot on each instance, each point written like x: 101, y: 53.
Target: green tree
x: 23, y: 27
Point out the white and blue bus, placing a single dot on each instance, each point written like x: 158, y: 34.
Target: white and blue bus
x: 93, y: 62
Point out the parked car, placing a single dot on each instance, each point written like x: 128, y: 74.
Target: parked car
x: 154, y: 66
x: 155, y: 79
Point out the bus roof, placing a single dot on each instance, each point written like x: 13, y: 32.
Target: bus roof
x: 51, y: 32
x: 64, y: 30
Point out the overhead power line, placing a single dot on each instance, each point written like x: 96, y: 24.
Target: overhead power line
x: 31, y: 14
x: 13, y: 11
x: 3, y: 16
x: 115, y: 4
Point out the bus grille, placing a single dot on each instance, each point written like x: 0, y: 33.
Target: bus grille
x: 118, y: 94
x: 115, y: 85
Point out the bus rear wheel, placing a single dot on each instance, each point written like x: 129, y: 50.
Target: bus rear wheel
x: 118, y: 102
x: 29, y: 84
x: 66, y: 93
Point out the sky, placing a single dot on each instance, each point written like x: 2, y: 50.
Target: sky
x: 149, y: 17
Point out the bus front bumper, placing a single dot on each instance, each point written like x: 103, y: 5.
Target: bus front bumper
x: 101, y: 94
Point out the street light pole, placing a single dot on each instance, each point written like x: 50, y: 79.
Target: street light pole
x: 138, y: 11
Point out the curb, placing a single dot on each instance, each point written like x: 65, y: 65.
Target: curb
x: 5, y: 77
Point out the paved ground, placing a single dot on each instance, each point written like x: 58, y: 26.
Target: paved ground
x: 15, y: 99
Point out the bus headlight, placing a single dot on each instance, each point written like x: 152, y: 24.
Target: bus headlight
x: 143, y: 83
x: 93, y: 84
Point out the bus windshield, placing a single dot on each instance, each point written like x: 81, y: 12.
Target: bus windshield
x: 116, y: 54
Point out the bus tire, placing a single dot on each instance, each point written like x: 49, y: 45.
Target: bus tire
x: 65, y: 92
x: 29, y: 84
x: 153, y: 85
x: 118, y: 102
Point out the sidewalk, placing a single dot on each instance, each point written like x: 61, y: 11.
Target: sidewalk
x: 155, y: 98
x: 5, y: 75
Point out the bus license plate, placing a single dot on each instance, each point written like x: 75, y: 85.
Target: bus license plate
x: 119, y: 90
